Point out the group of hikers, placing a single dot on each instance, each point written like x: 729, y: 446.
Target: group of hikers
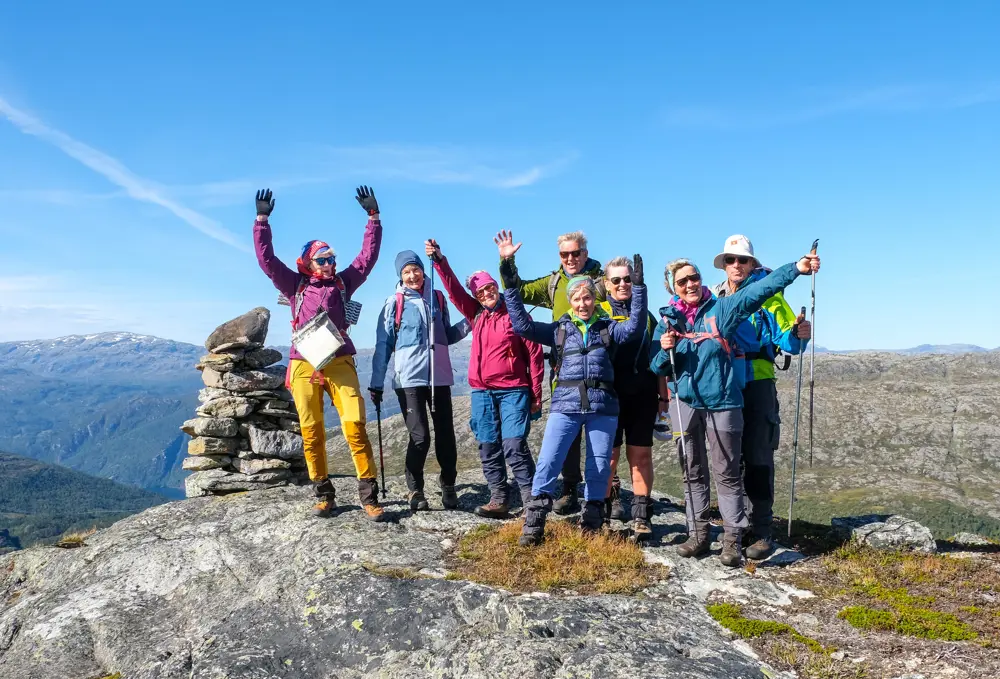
x: 708, y: 357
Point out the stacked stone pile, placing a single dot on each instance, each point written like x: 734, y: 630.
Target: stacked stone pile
x: 246, y: 435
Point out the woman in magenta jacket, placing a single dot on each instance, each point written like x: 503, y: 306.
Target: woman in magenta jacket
x: 505, y: 373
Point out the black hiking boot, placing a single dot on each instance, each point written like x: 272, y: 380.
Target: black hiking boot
x: 567, y: 503
x: 592, y: 518
x: 418, y: 502
x: 616, y: 511
x: 449, y: 498
x: 730, y: 556
x: 761, y: 549
x: 530, y: 540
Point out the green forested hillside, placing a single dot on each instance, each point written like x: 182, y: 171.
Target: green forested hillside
x: 40, y: 502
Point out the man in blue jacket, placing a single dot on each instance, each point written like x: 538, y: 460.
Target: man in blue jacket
x: 774, y: 327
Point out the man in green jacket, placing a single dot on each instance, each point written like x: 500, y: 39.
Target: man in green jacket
x: 549, y: 292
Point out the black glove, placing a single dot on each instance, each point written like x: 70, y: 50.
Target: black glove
x: 264, y: 202
x: 637, y: 278
x: 376, y: 396
x: 367, y: 199
x: 507, y: 274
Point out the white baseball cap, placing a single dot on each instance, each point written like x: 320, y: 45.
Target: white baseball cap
x: 738, y: 245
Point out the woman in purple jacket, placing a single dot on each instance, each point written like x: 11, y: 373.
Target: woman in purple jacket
x: 317, y: 286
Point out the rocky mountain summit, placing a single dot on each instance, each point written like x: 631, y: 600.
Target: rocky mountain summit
x: 250, y: 585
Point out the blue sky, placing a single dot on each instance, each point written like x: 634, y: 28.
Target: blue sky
x: 132, y: 139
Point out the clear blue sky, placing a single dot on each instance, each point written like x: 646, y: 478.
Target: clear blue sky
x: 132, y: 139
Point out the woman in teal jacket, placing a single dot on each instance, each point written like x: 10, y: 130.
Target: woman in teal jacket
x: 707, y: 387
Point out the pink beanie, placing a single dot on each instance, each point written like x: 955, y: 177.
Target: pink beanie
x: 478, y: 280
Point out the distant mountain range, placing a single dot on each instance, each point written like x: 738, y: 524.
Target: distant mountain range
x: 111, y: 404
x: 922, y: 349
x: 40, y: 502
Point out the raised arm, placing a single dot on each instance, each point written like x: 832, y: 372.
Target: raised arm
x: 736, y: 308
x: 633, y: 328
x: 283, y: 278
x: 459, y: 296
x: 523, y: 324
x: 359, y: 270
x: 536, y: 292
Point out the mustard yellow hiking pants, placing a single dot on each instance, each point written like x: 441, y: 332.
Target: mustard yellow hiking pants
x: 341, y: 383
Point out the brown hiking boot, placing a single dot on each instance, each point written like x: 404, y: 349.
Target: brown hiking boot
x: 760, y: 549
x: 730, y: 556
x: 323, y: 508
x: 567, y: 503
x: 642, y: 531
x: 695, y: 546
x: 375, y: 512
x: 493, y: 510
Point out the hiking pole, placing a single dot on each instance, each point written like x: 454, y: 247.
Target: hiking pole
x: 433, y: 348
x: 381, y: 453
x: 682, y: 451
x: 795, y: 436
x: 812, y: 353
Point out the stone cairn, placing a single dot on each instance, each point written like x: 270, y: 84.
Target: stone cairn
x: 246, y: 435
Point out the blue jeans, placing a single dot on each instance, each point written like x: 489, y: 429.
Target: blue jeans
x: 500, y: 421
x: 560, y: 431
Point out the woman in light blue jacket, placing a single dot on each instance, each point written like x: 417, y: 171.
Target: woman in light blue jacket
x: 404, y: 331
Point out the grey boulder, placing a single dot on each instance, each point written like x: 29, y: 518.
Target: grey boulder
x: 200, y: 463
x: 216, y: 481
x: 245, y: 380
x: 210, y: 445
x: 211, y: 426
x: 251, y: 467
x: 227, y: 406
x: 279, y: 443
x: 886, y: 532
x: 261, y: 358
x: 244, y: 332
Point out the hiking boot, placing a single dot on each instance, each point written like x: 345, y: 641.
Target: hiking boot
x: 567, y: 503
x: 761, y: 549
x: 642, y: 530
x: 375, y: 513
x: 324, y: 507
x: 418, y: 502
x: 592, y: 517
x: 529, y: 540
x: 325, y: 492
x: 695, y: 546
x: 616, y: 511
x: 730, y: 556
x: 493, y: 510
x: 449, y: 498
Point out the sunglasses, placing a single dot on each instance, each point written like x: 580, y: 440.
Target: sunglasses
x: 681, y: 282
x: 617, y: 280
x: 323, y: 261
x: 481, y: 292
x: 733, y: 260
x: 566, y: 254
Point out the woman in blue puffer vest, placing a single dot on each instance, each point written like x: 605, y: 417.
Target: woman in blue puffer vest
x: 583, y: 393
x: 708, y: 391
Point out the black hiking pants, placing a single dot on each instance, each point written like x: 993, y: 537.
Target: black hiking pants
x: 413, y: 401
x: 761, y: 432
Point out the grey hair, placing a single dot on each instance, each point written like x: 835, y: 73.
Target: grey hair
x: 618, y: 261
x: 671, y: 270
x: 578, y: 282
x: 575, y: 236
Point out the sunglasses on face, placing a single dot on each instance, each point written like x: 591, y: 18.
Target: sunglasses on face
x: 324, y: 261
x: 481, y: 292
x: 566, y: 254
x: 617, y: 280
x: 693, y: 278
x: 732, y: 260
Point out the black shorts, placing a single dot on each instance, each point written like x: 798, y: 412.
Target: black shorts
x: 636, y: 417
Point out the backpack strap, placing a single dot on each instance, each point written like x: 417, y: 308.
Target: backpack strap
x: 559, y: 348
x: 553, y: 285
x: 399, y: 308
x: 300, y: 293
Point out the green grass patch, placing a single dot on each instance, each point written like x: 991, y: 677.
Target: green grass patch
x: 731, y: 617
x: 910, y: 621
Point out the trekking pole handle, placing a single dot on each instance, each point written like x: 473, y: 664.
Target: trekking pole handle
x: 814, y: 246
